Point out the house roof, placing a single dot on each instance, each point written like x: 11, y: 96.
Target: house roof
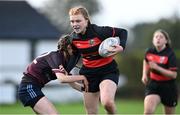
x: 18, y: 20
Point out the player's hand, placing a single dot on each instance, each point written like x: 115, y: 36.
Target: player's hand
x: 115, y: 49
x: 153, y: 65
x: 144, y: 80
x: 60, y: 70
x: 85, y: 83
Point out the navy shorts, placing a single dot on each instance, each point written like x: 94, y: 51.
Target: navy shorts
x: 167, y: 90
x: 29, y: 94
x: 95, y: 79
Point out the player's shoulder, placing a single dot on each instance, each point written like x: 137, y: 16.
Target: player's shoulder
x: 99, y: 27
x: 53, y: 53
x: 150, y: 50
x: 101, y: 30
x: 170, y: 51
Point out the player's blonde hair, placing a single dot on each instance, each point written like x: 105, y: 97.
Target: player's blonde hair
x: 79, y: 10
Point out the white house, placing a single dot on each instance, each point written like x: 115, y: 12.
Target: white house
x: 24, y: 34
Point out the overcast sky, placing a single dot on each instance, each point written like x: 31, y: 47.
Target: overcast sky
x: 130, y: 12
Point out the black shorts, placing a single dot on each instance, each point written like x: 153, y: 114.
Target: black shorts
x: 29, y: 94
x: 95, y: 79
x: 167, y: 90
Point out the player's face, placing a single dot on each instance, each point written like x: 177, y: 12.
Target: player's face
x: 78, y: 23
x: 159, y: 40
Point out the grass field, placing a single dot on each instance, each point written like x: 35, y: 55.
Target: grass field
x: 124, y: 106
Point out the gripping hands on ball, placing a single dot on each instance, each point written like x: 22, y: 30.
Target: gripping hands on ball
x: 114, y: 50
x: 110, y: 47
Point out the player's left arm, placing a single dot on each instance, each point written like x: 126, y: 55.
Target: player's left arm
x: 165, y: 72
x: 122, y: 34
x: 107, y: 31
x: 171, y: 71
x: 115, y: 49
x: 115, y: 32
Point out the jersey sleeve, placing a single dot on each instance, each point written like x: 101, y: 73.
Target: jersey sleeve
x: 145, y: 55
x: 172, y: 64
x: 106, y: 32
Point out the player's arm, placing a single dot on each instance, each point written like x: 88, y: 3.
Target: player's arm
x: 145, y: 72
x: 122, y: 34
x: 63, y: 77
x: 163, y: 71
x: 78, y: 86
x: 72, y: 79
x: 115, y: 49
x: 106, y: 32
x: 116, y: 32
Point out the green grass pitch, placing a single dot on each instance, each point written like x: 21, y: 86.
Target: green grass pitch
x: 124, y: 106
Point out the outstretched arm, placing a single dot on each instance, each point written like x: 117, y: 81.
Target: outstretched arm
x: 62, y: 76
x: 72, y: 80
x: 77, y: 86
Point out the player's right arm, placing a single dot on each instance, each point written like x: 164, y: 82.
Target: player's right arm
x: 145, y: 72
x: 63, y: 77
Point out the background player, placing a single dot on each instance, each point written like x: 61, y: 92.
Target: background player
x: 160, y: 65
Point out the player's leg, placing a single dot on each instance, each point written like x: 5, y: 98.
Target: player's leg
x: 31, y: 95
x: 150, y: 103
x: 107, y: 94
x: 169, y: 110
x: 44, y: 106
x: 91, y: 102
x: 169, y: 96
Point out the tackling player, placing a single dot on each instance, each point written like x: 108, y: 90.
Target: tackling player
x: 49, y: 66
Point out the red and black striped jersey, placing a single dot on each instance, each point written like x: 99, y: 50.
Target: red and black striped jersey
x: 165, y: 59
x: 89, y: 42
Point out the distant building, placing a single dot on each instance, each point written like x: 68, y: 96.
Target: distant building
x: 24, y: 34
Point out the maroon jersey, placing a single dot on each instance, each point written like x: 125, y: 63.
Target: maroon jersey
x: 165, y: 58
x: 40, y: 69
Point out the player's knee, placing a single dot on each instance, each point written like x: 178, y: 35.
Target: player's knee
x: 108, y: 103
x: 148, y: 111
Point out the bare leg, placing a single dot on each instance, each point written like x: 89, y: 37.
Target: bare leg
x: 150, y: 104
x: 44, y: 106
x: 91, y: 102
x: 169, y: 110
x: 107, y: 94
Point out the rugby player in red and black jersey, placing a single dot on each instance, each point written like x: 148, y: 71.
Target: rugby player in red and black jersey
x: 160, y: 67
x: 49, y: 66
x: 101, y: 72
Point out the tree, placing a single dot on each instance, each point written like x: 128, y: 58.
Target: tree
x: 143, y: 32
x: 57, y: 11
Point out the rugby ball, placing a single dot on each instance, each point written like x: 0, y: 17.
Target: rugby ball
x: 108, y: 44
